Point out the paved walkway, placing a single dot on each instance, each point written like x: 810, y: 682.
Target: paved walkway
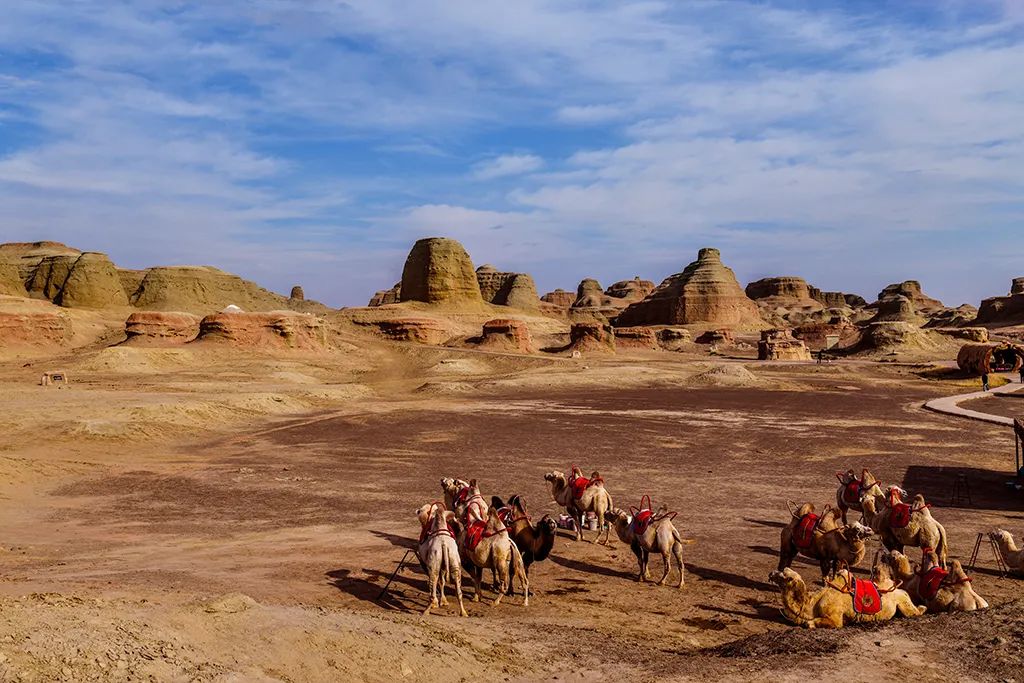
x: 950, y: 405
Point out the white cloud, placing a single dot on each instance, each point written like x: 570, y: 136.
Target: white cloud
x: 507, y: 165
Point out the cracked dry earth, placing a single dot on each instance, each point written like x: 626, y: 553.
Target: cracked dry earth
x: 258, y: 553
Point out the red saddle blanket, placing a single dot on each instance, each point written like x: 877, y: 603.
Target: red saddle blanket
x: 474, y: 532
x: 899, y: 515
x: 803, y: 534
x: 931, y: 580
x: 851, y: 494
x: 641, y: 521
x: 579, y: 485
x: 425, y: 531
x: 865, y: 597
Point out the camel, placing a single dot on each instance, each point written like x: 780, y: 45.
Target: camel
x: 464, y: 498
x: 1013, y: 557
x: 932, y: 586
x: 486, y: 544
x: 900, y: 524
x: 534, y: 541
x: 823, y: 539
x: 851, y: 490
x: 439, y: 554
x: 657, y: 534
x: 837, y: 603
x: 579, y: 496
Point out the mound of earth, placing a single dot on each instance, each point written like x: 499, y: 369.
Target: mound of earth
x: 26, y: 256
x: 1003, y: 310
x: 636, y: 338
x: 503, y: 334
x: 674, y: 338
x: 297, y: 293
x: 895, y: 337
x: 832, y: 299
x: 439, y: 271
x: 897, y: 309
x: 855, y: 301
x: 93, y: 282
x: 786, y: 288
x: 629, y: 291
x: 387, y: 296
x: 706, y: 292
x: 204, y: 289
x: 560, y: 298
x: 507, y: 289
x: 420, y: 330
x: 726, y: 375
x: 158, y: 327
x: 589, y: 337
x: 272, y: 329
x: 590, y: 294
x: 34, y: 328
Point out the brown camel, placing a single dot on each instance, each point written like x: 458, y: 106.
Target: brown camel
x: 900, y: 524
x: 933, y: 586
x: 439, y: 553
x: 579, y: 496
x: 822, y: 539
x: 837, y: 603
x: 464, y: 498
x: 851, y: 490
x: 486, y: 544
x: 1013, y: 557
x: 534, y: 541
x: 656, y: 534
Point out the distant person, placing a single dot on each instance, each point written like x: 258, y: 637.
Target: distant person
x: 984, y: 381
x: 821, y: 357
x: 1022, y: 374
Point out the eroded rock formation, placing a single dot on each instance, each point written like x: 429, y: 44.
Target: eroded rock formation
x: 781, y: 345
x: 420, y: 330
x: 439, y: 271
x: 387, y: 296
x: 1000, y: 310
x: 158, y: 327
x: 589, y: 337
x: 507, y: 289
x: 271, y: 329
x: 92, y: 282
x: 503, y: 334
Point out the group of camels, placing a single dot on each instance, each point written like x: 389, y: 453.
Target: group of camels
x: 465, y: 531
x: 897, y: 584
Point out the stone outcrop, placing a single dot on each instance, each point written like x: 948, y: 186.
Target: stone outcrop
x: 896, y: 309
x: 504, y: 334
x: 11, y: 283
x: 271, y: 329
x: 973, y: 334
x: 674, y: 338
x: 34, y: 329
x: 830, y: 299
x: 911, y: 289
x: 636, y: 338
x: 855, y: 301
x: 781, y: 345
x: 387, y: 296
x: 203, y: 289
x: 1000, y: 310
x: 297, y: 294
x: 439, y: 271
x: 629, y: 291
x: 49, y: 275
x: 560, y: 298
x: 786, y: 288
x: 823, y: 336
x: 716, y: 337
x: 93, y: 282
x: 706, y: 292
x: 507, y: 289
x: 27, y: 255
x: 589, y: 337
x: 952, y: 317
x: 590, y: 294
x: 419, y: 330
x: 158, y: 327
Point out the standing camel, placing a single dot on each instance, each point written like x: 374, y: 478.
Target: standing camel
x: 900, y: 524
x: 1013, y: 557
x: 464, y: 498
x: 851, y: 490
x: 653, y: 532
x: 439, y: 553
x: 485, y: 544
x: 822, y: 538
x: 534, y: 541
x: 933, y: 586
x: 579, y: 495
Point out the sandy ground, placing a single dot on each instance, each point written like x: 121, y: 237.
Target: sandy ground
x: 204, y: 514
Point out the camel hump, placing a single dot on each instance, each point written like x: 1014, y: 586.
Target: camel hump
x: 805, y: 509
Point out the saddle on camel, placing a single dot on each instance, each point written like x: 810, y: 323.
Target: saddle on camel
x: 900, y: 512
x: 644, y: 517
x: 866, y: 595
x: 580, y: 484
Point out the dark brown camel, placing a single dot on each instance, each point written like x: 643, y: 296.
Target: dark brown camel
x: 533, y: 540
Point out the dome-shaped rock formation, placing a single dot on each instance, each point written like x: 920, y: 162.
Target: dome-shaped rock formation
x: 49, y: 276
x: 911, y: 289
x: 271, y: 329
x: 588, y: 337
x: 896, y: 309
x: 203, y: 289
x: 504, y: 334
x: 93, y: 282
x: 507, y: 289
x: 706, y: 292
x: 785, y: 287
x: 629, y: 291
x: 158, y: 327
x: 560, y: 298
x: 297, y: 294
x: 439, y: 271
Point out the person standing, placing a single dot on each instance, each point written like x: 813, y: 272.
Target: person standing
x: 1022, y: 374
x: 984, y: 381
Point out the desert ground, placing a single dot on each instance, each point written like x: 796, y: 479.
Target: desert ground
x: 200, y: 513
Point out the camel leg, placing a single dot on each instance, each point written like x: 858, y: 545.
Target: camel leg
x: 477, y: 573
x: 666, y: 558
x: 434, y: 580
x: 677, y: 550
x: 457, y: 574
x: 907, y: 608
x: 825, y: 622
x: 639, y: 553
x: 501, y: 569
x: 842, y: 512
x: 443, y: 602
x: 786, y: 556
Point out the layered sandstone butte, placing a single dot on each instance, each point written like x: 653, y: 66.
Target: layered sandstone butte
x: 202, y: 289
x: 504, y: 334
x: 419, y: 330
x: 387, y: 296
x: 785, y: 288
x: 781, y: 345
x: 11, y: 283
x: 34, y: 328
x: 590, y: 294
x: 507, y: 289
x: 636, y: 338
x: 820, y: 336
x: 27, y: 255
x: 92, y: 283
x: 911, y: 289
x: 158, y: 327
x: 297, y: 293
x: 1003, y: 309
x: 588, y: 337
x: 49, y: 275
x: 560, y: 298
x: 439, y: 271
x: 628, y: 291
x: 674, y: 338
x: 896, y: 309
x: 706, y: 292
x: 272, y: 329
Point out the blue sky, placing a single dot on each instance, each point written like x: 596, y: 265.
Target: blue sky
x: 853, y: 143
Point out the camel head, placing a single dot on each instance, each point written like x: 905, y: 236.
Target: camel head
x: 899, y: 562
x: 618, y: 516
x: 548, y: 523
x: 1004, y: 538
x: 895, y: 492
x: 426, y: 512
x: 845, y: 477
x: 786, y: 579
x: 857, y: 532
x: 517, y: 503
x: 451, y: 486
x: 556, y: 479
x: 956, y: 571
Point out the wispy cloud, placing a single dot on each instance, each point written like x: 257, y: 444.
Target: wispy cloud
x: 507, y: 165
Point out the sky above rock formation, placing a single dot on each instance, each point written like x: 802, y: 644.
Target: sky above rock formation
x: 854, y: 144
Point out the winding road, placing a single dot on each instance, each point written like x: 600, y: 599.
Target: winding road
x: 950, y: 405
